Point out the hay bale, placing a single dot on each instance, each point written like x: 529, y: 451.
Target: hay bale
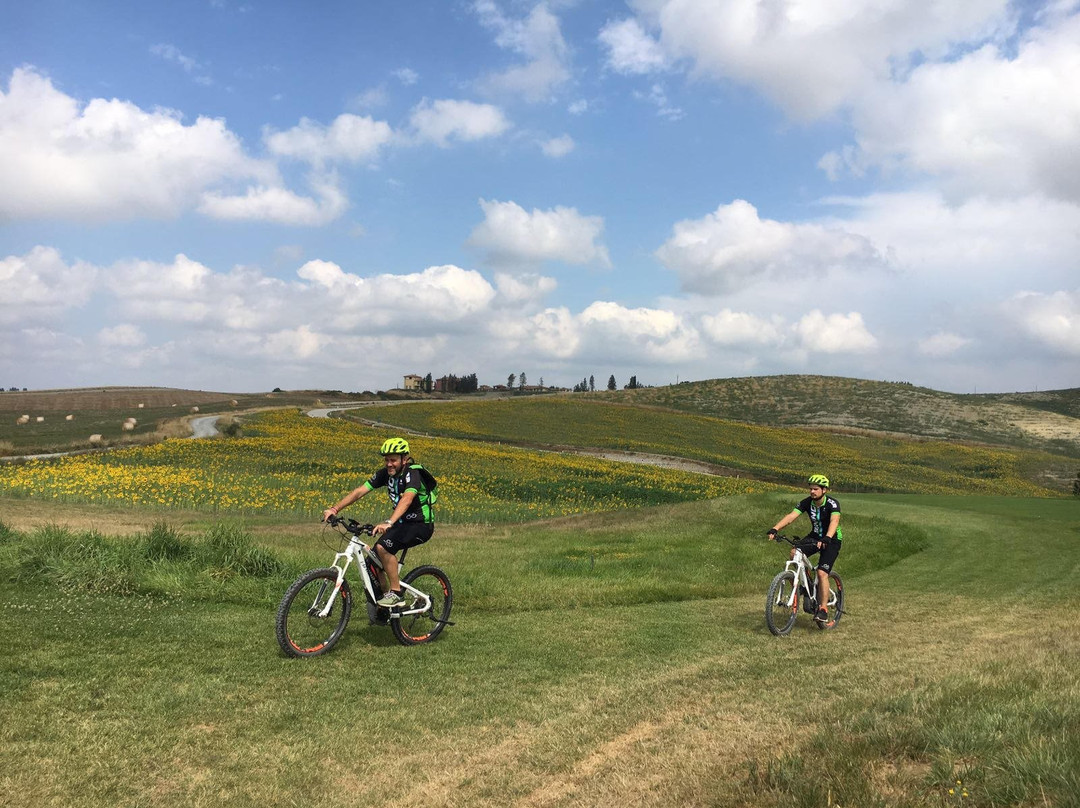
x: 141, y: 405
x: 127, y: 426
x: 95, y: 440
x: 69, y: 417
x: 194, y: 409
x: 40, y: 419
x: 22, y: 419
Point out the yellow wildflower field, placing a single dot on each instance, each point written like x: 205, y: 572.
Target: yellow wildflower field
x: 853, y: 463
x: 290, y: 463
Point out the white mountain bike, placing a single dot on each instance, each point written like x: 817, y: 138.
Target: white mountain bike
x: 316, y: 608
x: 799, y: 580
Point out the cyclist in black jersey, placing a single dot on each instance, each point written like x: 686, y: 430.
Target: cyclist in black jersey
x: 412, y: 522
x: 824, y: 536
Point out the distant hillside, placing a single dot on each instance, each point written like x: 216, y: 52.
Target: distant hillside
x: 1045, y: 420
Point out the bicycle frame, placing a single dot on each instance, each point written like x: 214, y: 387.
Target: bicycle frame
x: 801, y: 566
x: 356, y: 552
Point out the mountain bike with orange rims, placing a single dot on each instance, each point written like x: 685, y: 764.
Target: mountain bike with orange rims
x: 316, y: 609
x: 798, y: 580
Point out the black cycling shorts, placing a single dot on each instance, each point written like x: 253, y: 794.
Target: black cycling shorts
x: 828, y: 553
x: 404, y: 535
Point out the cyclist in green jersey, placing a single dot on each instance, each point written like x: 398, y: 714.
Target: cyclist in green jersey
x: 824, y: 536
x: 410, y: 488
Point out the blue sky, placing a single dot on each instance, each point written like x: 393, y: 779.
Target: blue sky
x: 241, y: 196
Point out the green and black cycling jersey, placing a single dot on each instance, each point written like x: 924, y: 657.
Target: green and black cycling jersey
x: 412, y: 478
x: 820, y: 515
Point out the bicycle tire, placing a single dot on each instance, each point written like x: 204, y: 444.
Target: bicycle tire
x: 779, y: 617
x: 415, y: 629
x: 836, y: 600
x: 300, y: 633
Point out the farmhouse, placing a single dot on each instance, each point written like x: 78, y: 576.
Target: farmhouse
x: 412, y: 382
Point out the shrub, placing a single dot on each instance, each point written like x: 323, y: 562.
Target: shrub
x: 162, y: 543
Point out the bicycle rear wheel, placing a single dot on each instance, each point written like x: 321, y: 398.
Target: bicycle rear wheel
x: 779, y: 615
x: 413, y: 629
x: 301, y: 632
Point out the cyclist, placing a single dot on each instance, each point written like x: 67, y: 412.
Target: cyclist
x: 412, y: 522
x: 825, y: 535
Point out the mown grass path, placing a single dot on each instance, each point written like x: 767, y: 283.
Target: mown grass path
x: 620, y: 658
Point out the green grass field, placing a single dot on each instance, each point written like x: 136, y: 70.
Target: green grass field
x: 853, y: 462
x: 617, y: 658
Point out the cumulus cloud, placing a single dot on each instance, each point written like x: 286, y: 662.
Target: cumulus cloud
x: 813, y: 58
x: 630, y: 49
x: 350, y: 138
x: 729, y: 327
x: 1053, y: 320
x: 512, y: 236
x: 445, y: 120
x: 733, y: 247
x: 108, y: 159
x: 437, y: 295
x: 275, y: 204
x: 604, y: 331
x: 517, y: 290
x: 986, y: 123
x: 40, y: 285
x: 538, y: 39
x: 834, y: 333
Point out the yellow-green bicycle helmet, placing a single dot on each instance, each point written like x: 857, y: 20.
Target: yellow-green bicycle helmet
x: 819, y: 479
x: 394, y: 446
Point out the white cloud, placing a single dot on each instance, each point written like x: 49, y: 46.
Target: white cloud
x: 40, y: 285
x: 407, y: 76
x: 943, y: 343
x: 523, y: 289
x: 124, y: 335
x: 630, y: 49
x: 437, y: 296
x: 986, y: 241
x: 1050, y: 319
x: 538, y: 38
x: 603, y: 331
x: 109, y: 159
x: 986, y: 123
x: 444, y: 120
x: 511, y: 236
x: 656, y: 335
x: 292, y: 343
x: 558, y: 146
x: 813, y: 58
x: 729, y: 327
x: 171, y: 53
x: 350, y: 138
x: 834, y: 333
x: 733, y: 247
x: 275, y: 204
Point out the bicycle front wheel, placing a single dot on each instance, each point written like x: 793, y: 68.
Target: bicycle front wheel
x: 782, y: 604
x: 302, y: 631
x: 413, y: 629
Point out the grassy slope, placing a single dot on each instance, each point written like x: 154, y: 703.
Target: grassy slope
x: 616, y: 659
x: 1047, y: 420
x: 102, y: 411
x: 863, y: 463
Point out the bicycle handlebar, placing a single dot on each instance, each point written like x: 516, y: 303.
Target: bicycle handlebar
x: 350, y: 525
x: 781, y: 537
